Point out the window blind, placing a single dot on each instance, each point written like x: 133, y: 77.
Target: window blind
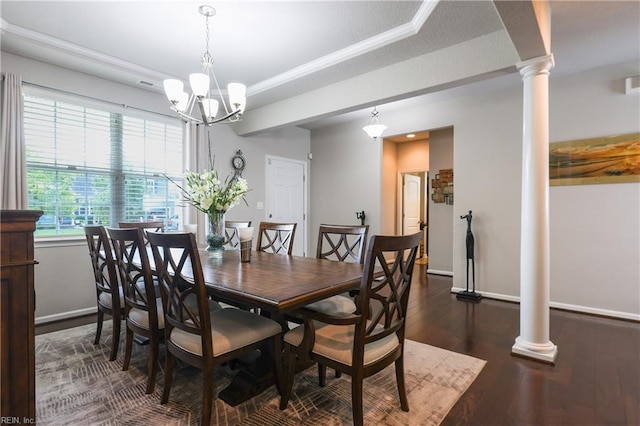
x: 86, y: 165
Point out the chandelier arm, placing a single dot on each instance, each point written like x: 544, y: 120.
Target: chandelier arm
x: 224, y: 103
x: 189, y: 117
x: 226, y: 117
x: 202, y: 110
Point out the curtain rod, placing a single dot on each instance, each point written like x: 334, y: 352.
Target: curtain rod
x: 125, y: 106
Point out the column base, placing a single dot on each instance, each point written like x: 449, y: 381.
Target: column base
x: 544, y: 352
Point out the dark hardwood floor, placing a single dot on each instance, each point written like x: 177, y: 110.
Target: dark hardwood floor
x: 595, y: 381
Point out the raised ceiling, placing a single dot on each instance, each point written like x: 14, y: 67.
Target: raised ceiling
x: 307, y: 61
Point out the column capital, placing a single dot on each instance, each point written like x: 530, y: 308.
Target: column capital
x: 534, y: 66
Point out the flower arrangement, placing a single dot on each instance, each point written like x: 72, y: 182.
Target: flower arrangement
x: 207, y: 193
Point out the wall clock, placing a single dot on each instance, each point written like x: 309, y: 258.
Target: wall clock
x: 238, y: 163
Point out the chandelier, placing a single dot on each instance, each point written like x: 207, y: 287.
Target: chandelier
x: 374, y: 129
x: 207, y: 108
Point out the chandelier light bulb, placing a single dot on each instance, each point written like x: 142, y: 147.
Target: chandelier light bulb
x: 173, y: 88
x: 210, y: 107
x: 199, y: 83
x: 182, y: 101
x: 237, y: 93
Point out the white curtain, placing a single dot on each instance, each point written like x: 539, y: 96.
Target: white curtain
x: 195, y: 159
x: 13, y: 178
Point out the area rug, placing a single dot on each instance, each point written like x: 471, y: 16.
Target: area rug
x: 76, y: 384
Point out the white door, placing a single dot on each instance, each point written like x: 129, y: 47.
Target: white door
x: 285, y: 196
x: 411, y: 204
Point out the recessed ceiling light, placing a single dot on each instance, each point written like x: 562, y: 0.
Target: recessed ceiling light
x: 411, y: 135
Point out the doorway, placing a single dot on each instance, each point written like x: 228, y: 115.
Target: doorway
x: 413, y: 207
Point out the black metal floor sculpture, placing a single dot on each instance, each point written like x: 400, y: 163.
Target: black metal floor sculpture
x: 470, y: 295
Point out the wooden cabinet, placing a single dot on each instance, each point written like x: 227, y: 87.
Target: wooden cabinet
x: 17, y: 306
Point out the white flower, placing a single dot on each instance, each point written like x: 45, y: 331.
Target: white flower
x: 208, y: 194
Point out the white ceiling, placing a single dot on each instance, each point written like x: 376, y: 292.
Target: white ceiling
x: 297, y: 55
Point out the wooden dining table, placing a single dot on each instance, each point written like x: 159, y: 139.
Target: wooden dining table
x: 276, y: 283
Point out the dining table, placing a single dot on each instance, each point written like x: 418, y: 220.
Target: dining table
x: 276, y: 284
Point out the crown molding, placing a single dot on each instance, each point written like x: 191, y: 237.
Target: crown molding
x: 80, y: 52
x: 378, y: 41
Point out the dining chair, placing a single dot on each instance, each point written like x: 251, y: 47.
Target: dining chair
x: 372, y: 338
x: 231, y: 231
x: 341, y: 243
x: 144, y: 312
x: 109, y: 295
x: 276, y: 237
x: 194, y: 335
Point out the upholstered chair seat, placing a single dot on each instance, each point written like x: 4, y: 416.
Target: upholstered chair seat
x: 334, y: 306
x: 336, y: 342
x: 105, y: 299
x: 140, y: 317
x: 232, y: 329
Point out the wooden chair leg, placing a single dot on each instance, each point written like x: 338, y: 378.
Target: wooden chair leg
x: 115, y: 339
x: 404, y: 402
x: 207, y: 396
x: 152, y: 364
x: 322, y: 375
x: 127, y: 349
x: 356, y: 400
x: 99, y: 329
x: 275, y: 344
x: 288, y: 373
x: 338, y: 374
x: 168, y: 378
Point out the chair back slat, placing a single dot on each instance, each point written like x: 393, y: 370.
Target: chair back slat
x: 135, y: 271
x: 385, y: 285
x: 103, y: 263
x: 276, y: 237
x: 180, y: 276
x: 151, y: 225
x: 344, y: 243
x: 231, y: 231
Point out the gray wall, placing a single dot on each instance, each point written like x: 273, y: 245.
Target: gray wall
x: 441, y: 214
x: 345, y: 178
x: 595, y: 229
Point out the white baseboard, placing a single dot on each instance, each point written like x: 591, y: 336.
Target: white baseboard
x: 65, y: 315
x: 596, y: 311
x: 438, y: 272
x: 558, y: 305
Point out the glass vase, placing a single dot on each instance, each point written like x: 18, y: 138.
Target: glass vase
x: 215, y: 236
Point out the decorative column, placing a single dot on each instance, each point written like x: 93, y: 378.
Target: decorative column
x: 533, y: 341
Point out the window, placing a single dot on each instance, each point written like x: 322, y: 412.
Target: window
x: 88, y: 165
